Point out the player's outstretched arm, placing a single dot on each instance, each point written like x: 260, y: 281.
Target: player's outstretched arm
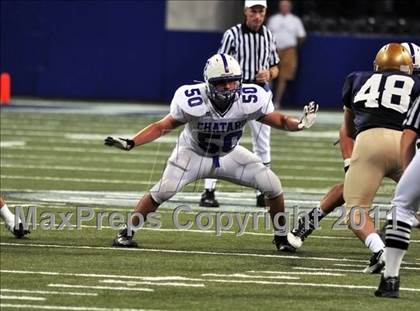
x: 146, y: 135
x: 283, y: 122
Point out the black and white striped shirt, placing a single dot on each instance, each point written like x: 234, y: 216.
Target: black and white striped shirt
x: 412, y: 121
x: 253, y: 50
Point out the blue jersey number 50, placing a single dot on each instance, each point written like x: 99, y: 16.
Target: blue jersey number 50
x: 196, y: 100
x: 248, y: 94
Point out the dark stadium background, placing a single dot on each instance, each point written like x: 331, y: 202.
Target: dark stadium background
x: 121, y: 50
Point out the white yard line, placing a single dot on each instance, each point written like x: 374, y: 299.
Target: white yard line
x: 78, y: 180
x: 45, y: 292
x: 349, y: 265
x: 69, y: 308
x: 329, y: 269
x: 8, y: 297
x: 298, y: 273
x: 81, y: 159
x: 276, y: 143
x: 361, y: 266
x: 101, y: 287
x: 320, y: 285
x: 132, y: 283
x: 327, y: 237
x: 134, y: 171
x: 345, y: 270
x: 246, y: 276
x: 333, y: 158
x: 173, y: 251
x: 78, y: 168
x: 136, y: 182
x: 12, y: 143
x: 97, y: 144
x: 93, y: 275
x: 410, y: 268
x: 147, y: 161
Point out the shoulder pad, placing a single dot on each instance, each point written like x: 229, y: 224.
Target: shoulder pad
x: 250, y: 106
x: 192, y: 99
x: 353, y: 74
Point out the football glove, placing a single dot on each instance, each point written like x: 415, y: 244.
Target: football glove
x: 120, y: 143
x: 309, y: 116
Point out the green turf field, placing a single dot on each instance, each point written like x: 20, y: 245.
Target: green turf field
x: 53, y: 160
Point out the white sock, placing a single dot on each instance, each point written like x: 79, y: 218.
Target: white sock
x: 374, y: 243
x: 8, y: 217
x: 210, y: 184
x: 393, y: 259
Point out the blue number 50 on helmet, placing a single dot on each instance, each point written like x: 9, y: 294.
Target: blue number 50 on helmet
x: 220, y: 68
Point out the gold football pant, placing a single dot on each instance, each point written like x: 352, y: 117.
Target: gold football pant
x: 376, y: 154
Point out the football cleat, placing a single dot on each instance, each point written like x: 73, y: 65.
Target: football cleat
x: 20, y: 232
x: 388, y: 287
x: 282, y: 244
x: 208, y: 199
x: 261, y: 201
x: 376, y: 263
x: 303, y: 230
x: 123, y: 240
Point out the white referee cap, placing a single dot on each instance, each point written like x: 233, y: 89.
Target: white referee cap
x: 251, y: 3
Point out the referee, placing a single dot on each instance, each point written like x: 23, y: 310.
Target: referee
x: 252, y: 45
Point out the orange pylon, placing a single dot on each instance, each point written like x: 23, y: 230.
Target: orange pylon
x: 5, y: 88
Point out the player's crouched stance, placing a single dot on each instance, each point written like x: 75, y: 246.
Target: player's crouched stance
x: 214, y: 114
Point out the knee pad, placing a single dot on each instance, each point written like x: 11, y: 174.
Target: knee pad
x: 171, y: 182
x: 268, y: 183
x: 160, y: 193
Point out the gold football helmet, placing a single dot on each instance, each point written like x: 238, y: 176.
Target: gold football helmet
x: 393, y: 56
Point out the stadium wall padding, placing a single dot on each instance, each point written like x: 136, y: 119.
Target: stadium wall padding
x: 121, y: 50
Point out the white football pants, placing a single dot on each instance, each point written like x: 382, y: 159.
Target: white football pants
x: 240, y: 166
x: 407, y: 194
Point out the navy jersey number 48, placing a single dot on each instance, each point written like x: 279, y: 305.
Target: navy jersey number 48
x: 394, y: 95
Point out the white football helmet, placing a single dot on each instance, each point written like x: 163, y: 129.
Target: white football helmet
x: 414, y: 51
x: 222, y: 67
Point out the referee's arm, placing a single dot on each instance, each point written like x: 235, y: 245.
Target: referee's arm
x: 274, y: 72
x: 273, y: 58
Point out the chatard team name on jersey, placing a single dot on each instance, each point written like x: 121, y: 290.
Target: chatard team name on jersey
x: 224, y: 126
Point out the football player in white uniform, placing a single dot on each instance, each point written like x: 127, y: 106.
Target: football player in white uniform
x: 214, y: 114
x: 406, y: 203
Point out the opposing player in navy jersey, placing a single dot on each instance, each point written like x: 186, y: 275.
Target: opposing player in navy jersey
x: 354, y: 84
x: 406, y: 203
x: 334, y: 197
x: 214, y: 114
x: 375, y: 106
